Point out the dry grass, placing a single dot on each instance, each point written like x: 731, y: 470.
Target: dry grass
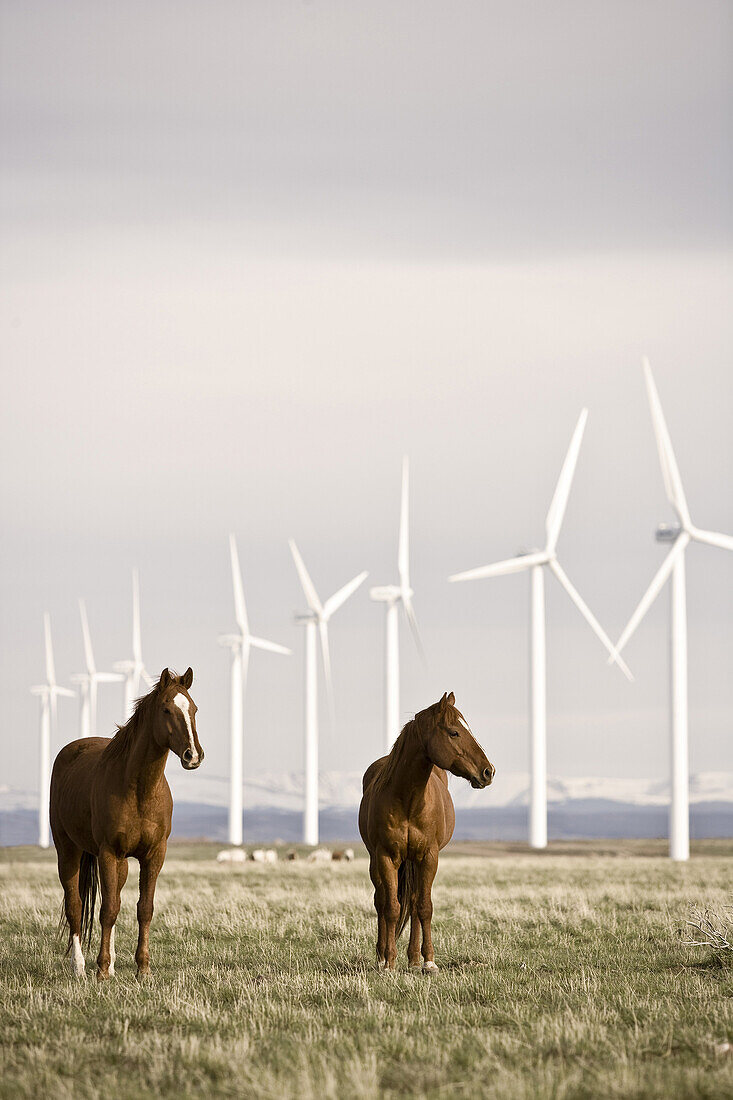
x: 562, y: 976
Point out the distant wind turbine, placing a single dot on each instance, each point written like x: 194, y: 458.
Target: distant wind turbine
x: 534, y: 562
x: 134, y: 670
x: 89, y: 680
x: 680, y: 535
x: 240, y: 645
x: 48, y: 693
x: 316, y: 621
x: 392, y: 595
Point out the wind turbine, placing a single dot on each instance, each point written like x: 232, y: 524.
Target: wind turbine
x: 680, y: 535
x: 535, y: 562
x: 240, y: 645
x: 134, y: 670
x: 89, y: 680
x: 48, y: 693
x: 316, y: 621
x: 392, y: 595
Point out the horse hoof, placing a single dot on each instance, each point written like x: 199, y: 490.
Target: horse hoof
x: 415, y: 966
x: 429, y: 968
x: 143, y: 975
x: 103, y: 976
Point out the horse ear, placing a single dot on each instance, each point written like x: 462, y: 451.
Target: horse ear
x: 451, y: 700
x: 165, y: 678
x: 187, y: 678
x: 442, y: 702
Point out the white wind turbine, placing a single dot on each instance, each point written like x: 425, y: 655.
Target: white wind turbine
x: 680, y: 535
x: 134, y: 670
x: 240, y: 645
x: 316, y: 621
x: 535, y: 562
x: 392, y: 595
x: 88, y: 681
x: 48, y: 693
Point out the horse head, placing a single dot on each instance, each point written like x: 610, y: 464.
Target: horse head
x: 175, y: 726
x: 450, y: 744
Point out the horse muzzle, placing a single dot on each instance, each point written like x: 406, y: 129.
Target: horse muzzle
x: 191, y: 761
x: 484, y: 779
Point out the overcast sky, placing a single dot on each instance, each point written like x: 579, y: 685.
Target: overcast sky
x: 253, y: 253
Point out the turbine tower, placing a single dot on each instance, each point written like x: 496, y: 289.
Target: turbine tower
x: 48, y: 693
x: 240, y: 645
x: 680, y: 535
x: 89, y: 680
x: 392, y: 595
x: 535, y: 562
x: 316, y: 622
x: 134, y: 670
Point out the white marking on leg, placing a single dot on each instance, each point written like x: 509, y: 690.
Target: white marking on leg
x: 430, y: 968
x: 77, y: 958
x: 183, y: 705
x: 112, y: 955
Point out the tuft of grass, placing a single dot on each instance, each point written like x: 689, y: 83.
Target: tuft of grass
x: 558, y: 979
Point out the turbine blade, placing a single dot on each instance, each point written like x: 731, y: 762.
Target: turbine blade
x: 403, y: 553
x: 653, y: 590
x: 147, y: 677
x: 412, y: 620
x: 50, y: 666
x: 306, y: 583
x: 556, y: 514
x: 240, y: 610
x: 589, y: 617
x: 272, y: 647
x: 713, y: 538
x: 88, y: 654
x: 323, y: 631
x: 137, y: 647
x: 501, y: 568
x: 333, y: 603
x: 668, y: 462
x: 66, y: 692
x: 108, y: 677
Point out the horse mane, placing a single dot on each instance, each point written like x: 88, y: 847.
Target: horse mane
x: 141, y: 716
x: 402, y: 747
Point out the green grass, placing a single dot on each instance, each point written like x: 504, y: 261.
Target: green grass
x: 561, y: 976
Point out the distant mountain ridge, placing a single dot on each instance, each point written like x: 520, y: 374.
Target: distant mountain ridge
x: 342, y: 791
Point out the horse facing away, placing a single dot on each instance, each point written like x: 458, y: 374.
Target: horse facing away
x: 110, y: 800
x: 406, y: 816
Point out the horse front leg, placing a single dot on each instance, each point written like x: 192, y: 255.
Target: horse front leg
x: 150, y: 866
x: 109, y: 882
x: 426, y: 871
x: 387, y: 871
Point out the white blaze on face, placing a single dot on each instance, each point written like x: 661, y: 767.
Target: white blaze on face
x: 77, y: 958
x: 183, y: 705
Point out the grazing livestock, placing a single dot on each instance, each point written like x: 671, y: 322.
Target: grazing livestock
x: 406, y: 816
x: 110, y: 800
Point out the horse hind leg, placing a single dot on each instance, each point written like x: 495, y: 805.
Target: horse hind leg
x: 413, y: 947
x: 426, y: 873
x: 69, y: 860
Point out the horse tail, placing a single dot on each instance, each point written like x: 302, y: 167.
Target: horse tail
x: 88, y: 886
x: 406, y: 890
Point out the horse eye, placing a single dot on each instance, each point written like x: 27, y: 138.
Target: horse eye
x: 453, y: 733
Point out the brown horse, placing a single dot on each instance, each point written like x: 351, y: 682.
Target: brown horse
x: 110, y: 800
x: 406, y: 816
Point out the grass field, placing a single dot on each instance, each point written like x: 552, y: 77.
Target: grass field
x: 561, y: 976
